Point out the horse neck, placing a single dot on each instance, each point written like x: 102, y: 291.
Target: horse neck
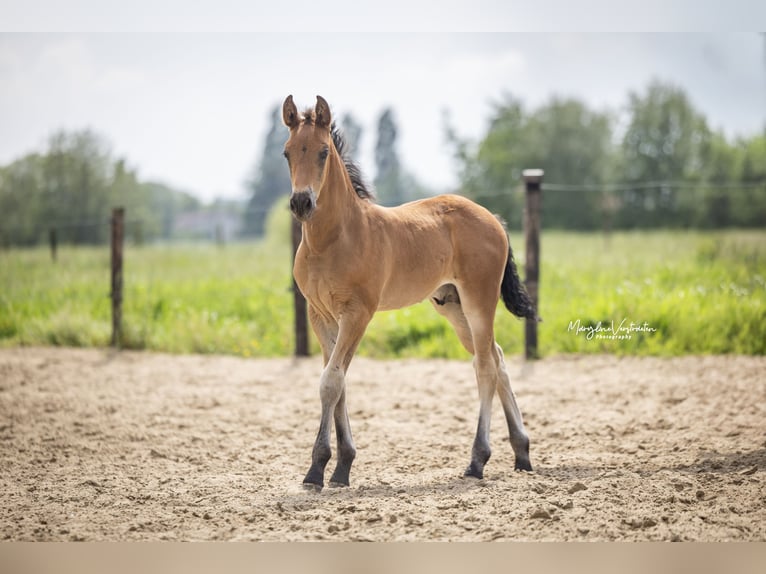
x: 338, y: 206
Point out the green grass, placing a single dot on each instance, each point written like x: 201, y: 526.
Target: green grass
x: 700, y: 292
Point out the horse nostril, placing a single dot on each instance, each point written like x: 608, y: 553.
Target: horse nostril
x: 301, y: 203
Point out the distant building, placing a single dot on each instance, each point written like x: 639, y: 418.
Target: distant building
x: 219, y: 222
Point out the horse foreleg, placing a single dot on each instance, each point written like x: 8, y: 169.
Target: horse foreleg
x: 332, y: 392
x: 327, y: 333
x: 346, y: 449
x: 326, y: 330
x: 330, y: 389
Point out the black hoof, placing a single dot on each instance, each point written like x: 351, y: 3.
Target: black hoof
x: 340, y: 477
x: 523, y: 465
x: 311, y: 487
x: 314, y: 476
x: 473, y: 472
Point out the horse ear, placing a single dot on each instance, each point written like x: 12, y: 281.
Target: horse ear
x: 323, y: 118
x: 289, y: 113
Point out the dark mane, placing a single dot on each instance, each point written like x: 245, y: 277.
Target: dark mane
x: 360, y: 186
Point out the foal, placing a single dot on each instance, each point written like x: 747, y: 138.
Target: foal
x: 356, y: 258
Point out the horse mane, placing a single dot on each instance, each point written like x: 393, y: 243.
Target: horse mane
x: 360, y: 186
x: 357, y: 180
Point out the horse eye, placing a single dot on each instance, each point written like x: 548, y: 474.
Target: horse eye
x: 323, y: 153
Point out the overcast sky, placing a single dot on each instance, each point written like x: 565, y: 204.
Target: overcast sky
x: 192, y: 109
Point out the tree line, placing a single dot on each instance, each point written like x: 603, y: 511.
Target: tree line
x: 73, y: 186
x: 665, y: 168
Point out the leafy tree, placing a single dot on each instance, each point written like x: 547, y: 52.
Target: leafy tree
x: 563, y: 137
x: 750, y: 207
x: 667, y: 140
x: 672, y: 170
x: 388, y: 184
x: 572, y: 144
x: 73, y: 187
x: 393, y: 184
x: 490, y: 171
x: 76, y: 184
x: 715, y: 200
x: 352, y: 131
x: 21, y: 201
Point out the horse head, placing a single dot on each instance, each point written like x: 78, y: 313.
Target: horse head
x: 307, y: 149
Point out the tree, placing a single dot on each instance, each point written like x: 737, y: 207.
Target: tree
x: 667, y: 140
x: 573, y: 145
x: 563, y: 137
x: 352, y: 132
x: 715, y: 200
x: 22, y: 202
x: 271, y: 180
x: 73, y: 186
x: 393, y: 184
x: 750, y: 206
x: 388, y: 183
x: 76, y: 184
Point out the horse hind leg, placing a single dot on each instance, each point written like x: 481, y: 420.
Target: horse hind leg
x: 446, y: 301
x: 491, y: 376
x: 486, y: 381
x: 516, y: 432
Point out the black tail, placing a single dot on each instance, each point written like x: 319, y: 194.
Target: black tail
x: 514, y: 293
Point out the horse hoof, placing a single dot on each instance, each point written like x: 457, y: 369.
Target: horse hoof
x: 473, y: 472
x: 523, y: 465
x: 334, y: 484
x: 310, y: 487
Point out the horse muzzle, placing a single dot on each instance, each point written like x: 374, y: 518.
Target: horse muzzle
x: 303, y: 204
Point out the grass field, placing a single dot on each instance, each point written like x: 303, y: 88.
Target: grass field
x: 690, y: 292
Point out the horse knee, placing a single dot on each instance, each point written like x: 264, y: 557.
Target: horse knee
x: 331, y: 385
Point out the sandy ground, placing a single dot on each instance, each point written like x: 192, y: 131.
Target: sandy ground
x: 96, y: 445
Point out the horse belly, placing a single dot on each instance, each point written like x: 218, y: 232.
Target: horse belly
x: 419, y: 261
x: 404, y: 289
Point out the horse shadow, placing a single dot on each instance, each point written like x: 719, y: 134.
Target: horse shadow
x: 721, y: 463
x: 745, y: 463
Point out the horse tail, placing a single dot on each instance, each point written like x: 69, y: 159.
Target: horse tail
x: 514, y: 293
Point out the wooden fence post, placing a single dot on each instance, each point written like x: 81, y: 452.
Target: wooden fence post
x: 53, y: 239
x: 299, y: 302
x: 118, y: 240
x: 533, y: 179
